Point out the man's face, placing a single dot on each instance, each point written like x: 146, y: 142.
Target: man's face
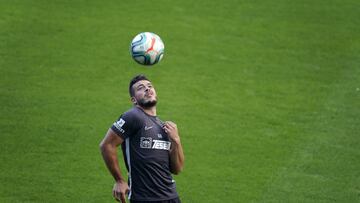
x: 144, y: 94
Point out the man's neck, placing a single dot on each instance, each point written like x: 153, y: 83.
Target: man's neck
x: 150, y: 111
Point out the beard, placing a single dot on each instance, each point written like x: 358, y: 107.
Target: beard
x: 147, y: 104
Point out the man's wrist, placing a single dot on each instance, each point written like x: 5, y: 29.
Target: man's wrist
x: 175, y: 140
x: 120, y: 180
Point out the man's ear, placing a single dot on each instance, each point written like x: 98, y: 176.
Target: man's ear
x: 133, y: 100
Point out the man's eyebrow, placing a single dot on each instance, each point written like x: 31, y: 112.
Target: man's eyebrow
x: 143, y: 85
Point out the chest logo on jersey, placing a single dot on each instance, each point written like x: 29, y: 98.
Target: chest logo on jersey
x: 149, y: 143
x: 148, y: 127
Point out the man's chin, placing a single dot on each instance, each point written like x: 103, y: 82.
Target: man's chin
x: 148, y: 104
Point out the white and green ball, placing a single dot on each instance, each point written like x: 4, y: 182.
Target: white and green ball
x: 147, y: 48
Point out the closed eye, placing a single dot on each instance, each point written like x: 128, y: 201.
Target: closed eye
x: 140, y: 87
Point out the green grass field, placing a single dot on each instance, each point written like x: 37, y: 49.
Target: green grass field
x: 266, y: 95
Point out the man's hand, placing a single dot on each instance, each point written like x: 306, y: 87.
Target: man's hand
x: 120, y: 190
x: 171, y: 129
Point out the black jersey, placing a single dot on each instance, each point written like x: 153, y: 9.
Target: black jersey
x: 146, y: 152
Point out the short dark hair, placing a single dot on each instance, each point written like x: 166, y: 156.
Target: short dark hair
x: 135, y: 80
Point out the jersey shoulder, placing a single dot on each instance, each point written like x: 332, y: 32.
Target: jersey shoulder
x: 129, y: 122
x: 133, y: 115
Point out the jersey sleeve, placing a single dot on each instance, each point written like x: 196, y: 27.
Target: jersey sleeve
x: 126, y: 125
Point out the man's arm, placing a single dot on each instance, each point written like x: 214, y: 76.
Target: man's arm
x: 108, y: 148
x: 176, y: 153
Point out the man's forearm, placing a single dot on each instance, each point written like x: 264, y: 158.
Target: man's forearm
x: 109, y: 154
x: 176, y: 157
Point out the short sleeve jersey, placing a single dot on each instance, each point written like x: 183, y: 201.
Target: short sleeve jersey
x: 146, y: 152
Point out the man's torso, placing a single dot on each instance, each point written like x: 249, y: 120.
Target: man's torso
x: 146, y: 152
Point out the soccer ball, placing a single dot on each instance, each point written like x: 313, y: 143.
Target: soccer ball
x: 147, y: 48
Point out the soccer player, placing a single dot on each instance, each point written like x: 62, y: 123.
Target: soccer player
x: 152, y: 149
